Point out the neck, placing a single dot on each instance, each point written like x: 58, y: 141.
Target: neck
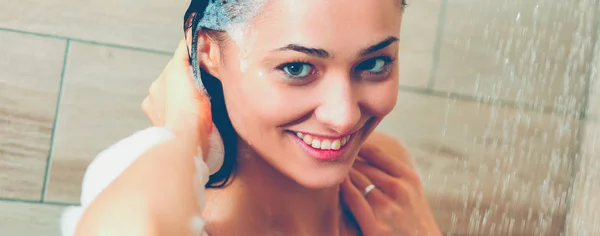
x: 276, y: 203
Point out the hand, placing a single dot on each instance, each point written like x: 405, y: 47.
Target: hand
x: 174, y: 102
x: 397, y: 205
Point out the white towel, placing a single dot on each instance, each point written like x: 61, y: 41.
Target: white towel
x: 110, y: 163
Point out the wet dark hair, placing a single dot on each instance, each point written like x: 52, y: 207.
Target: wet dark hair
x: 213, y: 86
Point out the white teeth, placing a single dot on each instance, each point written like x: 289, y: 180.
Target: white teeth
x: 324, y: 144
x: 316, y: 143
x: 307, y: 139
x: 336, y: 144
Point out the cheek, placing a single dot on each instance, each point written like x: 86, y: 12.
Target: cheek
x: 381, y: 99
x: 256, y: 103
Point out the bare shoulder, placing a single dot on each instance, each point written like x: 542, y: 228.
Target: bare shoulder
x: 390, y: 146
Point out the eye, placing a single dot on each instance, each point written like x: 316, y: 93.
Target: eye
x: 374, y: 65
x: 298, y: 69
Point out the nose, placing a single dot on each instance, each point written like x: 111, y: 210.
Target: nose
x: 339, y: 109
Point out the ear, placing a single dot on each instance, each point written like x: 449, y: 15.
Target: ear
x: 208, y: 53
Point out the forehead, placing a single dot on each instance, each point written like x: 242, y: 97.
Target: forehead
x: 336, y: 25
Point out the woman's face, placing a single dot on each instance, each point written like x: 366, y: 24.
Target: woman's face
x: 310, y: 81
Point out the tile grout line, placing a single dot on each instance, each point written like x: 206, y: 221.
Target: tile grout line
x: 35, y: 202
x: 437, y: 46
x: 546, y: 110
x: 140, y: 49
x: 54, y: 128
x: 575, y: 162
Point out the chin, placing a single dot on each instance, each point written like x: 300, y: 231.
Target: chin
x: 322, y: 179
x: 322, y: 175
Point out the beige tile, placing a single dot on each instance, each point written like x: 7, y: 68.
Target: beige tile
x: 584, y: 213
x: 102, y: 93
x: 531, y: 52
x: 25, y: 219
x: 487, y: 170
x: 417, y: 46
x: 29, y: 86
x: 593, y: 109
x: 151, y: 24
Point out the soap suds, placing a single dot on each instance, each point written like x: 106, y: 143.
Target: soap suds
x: 234, y: 17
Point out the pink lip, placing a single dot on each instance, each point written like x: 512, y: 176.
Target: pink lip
x: 319, y: 154
x: 325, y: 136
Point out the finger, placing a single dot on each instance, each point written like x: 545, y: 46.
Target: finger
x: 147, y: 109
x: 154, y: 87
x: 360, y: 208
x: 375, y: 155
x: 389, y: 185
x: 181, y: 53
x: 375, y: 197
x: 386, y: 162
x: 179, y: 65
x: 181, y: 70
x: 156, y: 102
x: 158, y: 88
x: 392, y: 147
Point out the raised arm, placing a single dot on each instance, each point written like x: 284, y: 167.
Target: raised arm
x: 161, y: 191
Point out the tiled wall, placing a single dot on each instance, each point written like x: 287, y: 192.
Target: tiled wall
x: 495, y: 135
x: 584, y: 213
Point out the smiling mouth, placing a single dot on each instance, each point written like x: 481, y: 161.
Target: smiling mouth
x: 321, y: 148
x: 323, y: 143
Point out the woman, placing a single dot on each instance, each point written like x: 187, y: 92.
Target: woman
x: 297, y: 88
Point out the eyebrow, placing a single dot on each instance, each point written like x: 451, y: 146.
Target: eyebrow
x: 381, y: 45
x: 322, y: 53
x: 316, y: 52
